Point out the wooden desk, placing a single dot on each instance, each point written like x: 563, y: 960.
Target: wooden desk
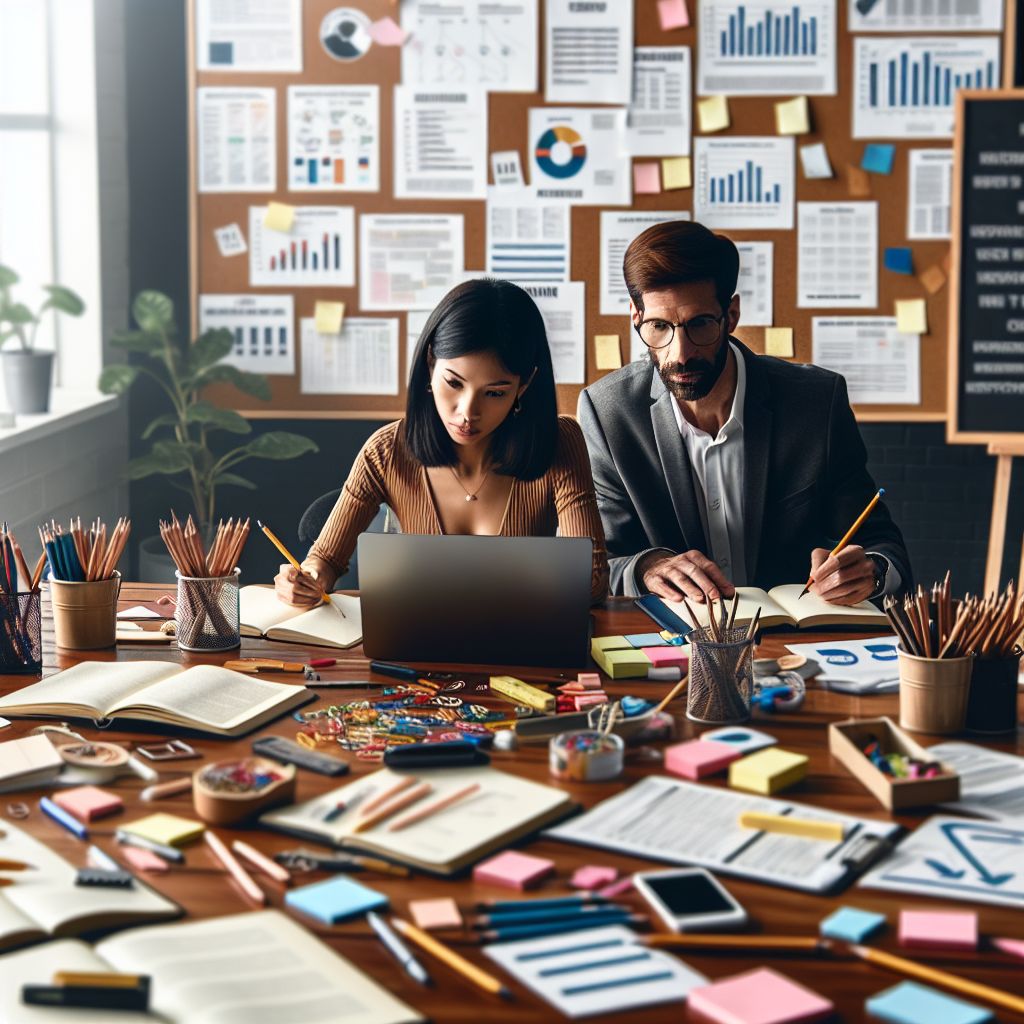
x: 204, y: 890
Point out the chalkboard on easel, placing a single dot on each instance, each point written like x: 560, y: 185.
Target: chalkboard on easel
x: 986, y: 316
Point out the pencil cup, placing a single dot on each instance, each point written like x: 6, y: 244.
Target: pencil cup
x: 207, y: 614
x: 85, y: 614
x: 721, y: 678
x: 21, y: 633
x: 933, y: 693
x: 992, y: 700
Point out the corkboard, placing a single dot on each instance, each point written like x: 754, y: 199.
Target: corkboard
x: 831, y: 118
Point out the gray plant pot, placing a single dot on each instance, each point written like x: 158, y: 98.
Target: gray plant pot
x: 155, y: 564
x: 27, y: 377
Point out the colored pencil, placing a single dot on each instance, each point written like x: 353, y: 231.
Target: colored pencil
x: 261, y: 861
x: 849, y: 533
x: 438, y: 805
x: 185, y: 546
x: 739, y: 943
x: 499, y: 906
x: 538, y: 928
x: 396, y: 805
x: 294, y: 562
x: 386, y: 794
x: 237, y: 872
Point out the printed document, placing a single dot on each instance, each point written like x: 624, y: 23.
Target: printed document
x: 588, y: 51
x: 991, y: 782
x: 527, y: 240
x: 249, y: 35
x: 926, y: 16
x: 563, y: 309
x: 931, y: 193
x: 320, y: 249
x: 262, y: 328
x: 881, y: 364
x: 754, y: 286
x: 618, y: 229
x: 744, y: 182
x: 658, y: 118
x: 854, y: 666
x: 237, y: 138
x: 837, y: 255
x: 361, y: 360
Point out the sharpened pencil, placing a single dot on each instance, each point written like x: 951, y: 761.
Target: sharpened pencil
x: 849, y: 533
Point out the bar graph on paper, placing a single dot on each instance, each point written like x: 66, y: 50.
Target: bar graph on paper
x: 744, y: 182
x: 319, y: 249
x: 926, y: 15
x: 261, y: 326
x: 905, y: 87
x: 768, y: 48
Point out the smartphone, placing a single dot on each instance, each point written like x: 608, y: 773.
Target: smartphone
x: 690, y: 899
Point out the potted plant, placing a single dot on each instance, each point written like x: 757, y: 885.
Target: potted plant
x: 182, y: 449
x: 27, y: 373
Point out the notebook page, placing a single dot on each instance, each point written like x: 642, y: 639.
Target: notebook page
x: 341, y: 626
x: 257, y: 968
x: 259, y: 608
x: 751, y: 598
x: 788, y: 596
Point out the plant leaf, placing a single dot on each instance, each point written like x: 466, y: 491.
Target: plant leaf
x: 147, y: 465
x: 154, y: 312
x: 173, y: 456
x: 217, y: 418
x: 254, y: 384
x: 279, y: 444
x: 169, y: 419
x: 137, y: 341
x: 209, y: 348
x: 17, y: 313
x: 117, y: 378
x: 64, y: 299
x: 7, y: 277
x: 233, y: 479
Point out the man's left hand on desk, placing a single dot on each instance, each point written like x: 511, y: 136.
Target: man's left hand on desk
x: 846, y: 578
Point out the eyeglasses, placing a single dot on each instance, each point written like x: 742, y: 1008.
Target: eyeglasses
x: 702, y: 330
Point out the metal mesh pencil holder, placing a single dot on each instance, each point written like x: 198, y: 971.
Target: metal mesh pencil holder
x: 721, y: 677
x: 21, y: 634
x: 206, y: 618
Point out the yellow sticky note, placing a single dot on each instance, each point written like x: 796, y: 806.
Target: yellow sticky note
x: 329, y: 316
x: 279, y: 217
x: 933, y: 279
x: 793, y: 117
x: 606, y: 348
x: 675, y: 172
x: 713, y: 113
x: 778, y: 341
x: 168, y: 829
x: 912, y: 316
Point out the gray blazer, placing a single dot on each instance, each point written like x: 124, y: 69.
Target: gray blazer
x: 805, y: 474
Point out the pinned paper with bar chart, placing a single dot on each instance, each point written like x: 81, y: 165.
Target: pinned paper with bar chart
x: 744, y: 182
x: 926, y: 15
x: 904, y: 87
x: 261, y: 326
x: 334, y: 138
x: 761, y: 48
x: 319, y: 249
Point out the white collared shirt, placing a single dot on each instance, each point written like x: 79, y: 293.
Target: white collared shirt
x: 718, y: 464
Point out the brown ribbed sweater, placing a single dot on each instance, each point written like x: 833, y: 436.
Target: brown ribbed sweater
x: 386, y: 472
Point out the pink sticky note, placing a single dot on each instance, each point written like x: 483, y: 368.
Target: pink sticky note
x: 143, y: 860
x: 88, y: 802
x: 512, y: 870
x: 673, y: 14
x: 761, y: 996
x: 939, y: 929
x: 1014, y: 947
x: 623, y: 885
x: 696, y: 758
x: 593, y: 876
x: 443, y: 913
x: 646, y: 179
x: 589, y: 680
x: 386, y: 32
x: 667, y: 657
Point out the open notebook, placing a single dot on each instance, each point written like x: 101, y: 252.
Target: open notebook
x: 44, y: 900
x: 205, y: 697
x: 259, y: 967
x: 502, y: 810
x: 783, y: 606
x: 262, y: 614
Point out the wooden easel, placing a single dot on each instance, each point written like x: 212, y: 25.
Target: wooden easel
x: 1004, y: 451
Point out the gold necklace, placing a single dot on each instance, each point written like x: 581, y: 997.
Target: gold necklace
x: 469, y: 496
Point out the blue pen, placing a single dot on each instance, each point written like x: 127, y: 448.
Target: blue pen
x: 529, y: 931
x: 59, y: 815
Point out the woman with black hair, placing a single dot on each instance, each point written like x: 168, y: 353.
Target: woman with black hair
x: 481, y: 450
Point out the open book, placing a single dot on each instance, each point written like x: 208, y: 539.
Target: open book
x: 502, y: 810
x: 262, y: 614
x: 259, y: 967
x: 780, y: 607
x: 44, y: 899
x: 206, y: 697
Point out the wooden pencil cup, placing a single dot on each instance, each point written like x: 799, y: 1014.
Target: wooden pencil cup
x: 85, y: 614
x: 992, y: 703
x: 933, y: 693
x: 226, y: 802
x: 207, y: 615
x: 721, y: 678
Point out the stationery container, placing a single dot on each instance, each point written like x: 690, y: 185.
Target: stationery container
x: 206, y: 616
x: 227, y: 792
x: 21, y: 633
x: 721, y: 677
x: 933, y: 692
x: 85, y: 614
x: 846, y: 743
x: 585, y: 755
x: 992, y: 700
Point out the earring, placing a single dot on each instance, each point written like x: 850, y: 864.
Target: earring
x: 518, y: 407
x: 429, y: 388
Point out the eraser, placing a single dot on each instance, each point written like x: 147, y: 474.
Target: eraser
x: 143, y: 860
x: 593, y: 876
x: 512, y: 870
x: 695, y: 759
x: 88, y: 802
x: 939, y: 929
x: 440, y: 913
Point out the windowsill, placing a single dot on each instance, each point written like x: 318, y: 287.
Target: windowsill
x: 67, y: 409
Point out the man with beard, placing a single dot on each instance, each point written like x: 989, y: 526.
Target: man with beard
x: 717, y: 467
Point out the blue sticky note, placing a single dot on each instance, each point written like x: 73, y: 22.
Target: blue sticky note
x: 851, y: 924
x: 639, y: 640
x: 878, y: 157
x: 335, y: 900
x: 899, y: 260
x: 910, y: 1003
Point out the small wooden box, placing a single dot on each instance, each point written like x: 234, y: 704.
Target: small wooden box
x: 846, y: 742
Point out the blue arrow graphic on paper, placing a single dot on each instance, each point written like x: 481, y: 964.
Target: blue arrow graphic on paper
x: 940, y: 868
x: 984, y: 833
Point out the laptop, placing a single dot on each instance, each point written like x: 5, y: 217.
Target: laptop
x: 480, y: 600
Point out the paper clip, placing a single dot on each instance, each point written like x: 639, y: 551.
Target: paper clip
x: 17, y: 810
